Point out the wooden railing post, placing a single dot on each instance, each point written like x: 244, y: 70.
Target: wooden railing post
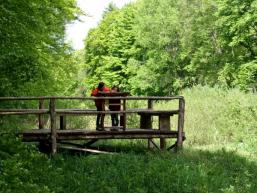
x: 124, y: 115
x: 150, y: 106
x: 164, y: 124
x: 40, y: 116
x: 53, y: 126
x: 181, y: 123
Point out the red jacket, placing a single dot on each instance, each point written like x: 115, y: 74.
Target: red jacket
x: 95, y: 93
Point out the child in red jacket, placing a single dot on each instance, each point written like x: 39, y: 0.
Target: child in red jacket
x: 99, y: 103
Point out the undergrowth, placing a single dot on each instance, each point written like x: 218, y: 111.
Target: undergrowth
x: 219, y: 155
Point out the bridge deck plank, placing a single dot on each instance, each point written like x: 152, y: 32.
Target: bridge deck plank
x: 77, y: 134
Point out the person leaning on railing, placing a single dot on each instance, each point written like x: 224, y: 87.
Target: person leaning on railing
x: 114, y: 105
x: 99, y: 103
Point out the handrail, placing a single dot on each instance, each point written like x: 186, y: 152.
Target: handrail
x: 80, y: 112
x: 93, y: 98
x: 53, y: 112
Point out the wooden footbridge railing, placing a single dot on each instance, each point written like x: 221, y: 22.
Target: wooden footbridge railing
x: 53, y: 135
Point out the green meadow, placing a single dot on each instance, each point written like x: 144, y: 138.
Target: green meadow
x: 219, y: 155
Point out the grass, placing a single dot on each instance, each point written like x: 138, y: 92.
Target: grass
x: 220, y: 155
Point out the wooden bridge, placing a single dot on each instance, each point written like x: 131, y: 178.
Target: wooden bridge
x: 54, y: 137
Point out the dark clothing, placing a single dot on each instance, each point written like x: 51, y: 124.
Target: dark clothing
x: 114, y: 105
x: 99, y: 103
x: 99, y: 118
x: 115, y: 119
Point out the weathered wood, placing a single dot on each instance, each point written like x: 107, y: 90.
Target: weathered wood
x: 114, y: 127
x: 23, y: 112
x: 40, y: 116
x: 53, y: 126
x: 153, y: 144
x: 164, y: 122
x: 180, y: 123
x: 124, y: 115
x: 84, y: 112
x: 35, y: 138
x: 89, y: 143
x: 53, y: 135
x: 158, y: 112
x: 85, y: 150
x: 150, y: 142
x: 62, y: 122
x: 91, y: 98
x: 164, y: 125
x: 78, y: 134
x: 88, y: 131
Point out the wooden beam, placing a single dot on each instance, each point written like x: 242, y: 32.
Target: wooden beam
x: 124, y: 116
x: 79, y: 134
x: 164, y: 125
x: 180, y: 123
x: 153, y: 144
x: 53, y: 126
x: 91, y: 98
x: 150, y: 142
x: 85, y: 150
x: 89, y: 143
x: 27, y: 112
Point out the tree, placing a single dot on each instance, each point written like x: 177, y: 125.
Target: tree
x: 32, y: 48
x: 175, y: 44
x: 109, y: 47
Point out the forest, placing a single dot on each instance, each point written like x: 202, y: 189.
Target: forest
x: 204, y: 50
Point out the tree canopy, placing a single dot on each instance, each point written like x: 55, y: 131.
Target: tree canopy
x: 34, y: 60
x: 159, y: 47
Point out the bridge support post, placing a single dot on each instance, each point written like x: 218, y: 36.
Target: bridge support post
x: 149, y: 124
x: 164, y: 124
x: 53, y: 126
x: 180, y: 123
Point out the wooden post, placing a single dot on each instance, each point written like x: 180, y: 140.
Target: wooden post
x: 164, y: 124
x: 40, y: 116
x: 150, y: 106
x: 62, y: 122
x: 124, y: 115
x: 180, y: 123
x: 53, y: 125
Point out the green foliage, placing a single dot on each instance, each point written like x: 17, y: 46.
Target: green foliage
x: 33, y: 55
x: 108, y: 48
x: 216, y: 116
x: 173, y: 45
x: 247, y: 76
x: 219, y: 154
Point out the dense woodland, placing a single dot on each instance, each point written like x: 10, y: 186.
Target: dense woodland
x: 148, y: 47
x: 205, y: 50
x: 160, y: 47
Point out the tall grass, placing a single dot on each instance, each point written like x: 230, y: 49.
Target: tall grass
x: 221, y: 118
x: 220, y: 155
